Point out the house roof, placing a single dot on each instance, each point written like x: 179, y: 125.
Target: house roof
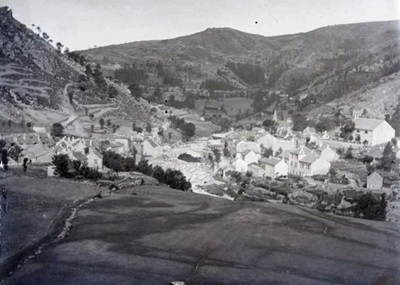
x: 97, y: 152
x: 302, y: 149
x: 285, y: 154
x: 152, y: 143
x: 246, y: 152
x: 255, y: 166
x: 79, y: 156
x: 308, y: 159
x: 375, y: 175
x: 269, y: 161
x: 367, y: 124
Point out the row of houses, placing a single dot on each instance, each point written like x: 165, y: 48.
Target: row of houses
x: 39, y: 148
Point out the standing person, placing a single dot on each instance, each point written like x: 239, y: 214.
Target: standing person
x: 24, y: 165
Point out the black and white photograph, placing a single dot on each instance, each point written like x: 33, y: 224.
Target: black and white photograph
x: 183, y: 142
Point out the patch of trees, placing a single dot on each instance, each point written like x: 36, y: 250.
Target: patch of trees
x: 188, y: 129
x: 300, y: 122
x: 249, y: 73
x: 57, y: 130
x: 67, y: 168
x: 130, y: 74
x: 214, y: 84
x: 326, y: 124
x: 75, y: 56
x: 174, y: 178
x: 188, y: 158
x: 371, y: 207
x: 346, y: 131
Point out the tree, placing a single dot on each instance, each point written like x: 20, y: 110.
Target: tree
x: 160, y: 132
x: 270, y: 125
x: 144, y: 167
x: 211, y: 159
x: 278, y: 152
x: 45, y: 36
x: 15, y: 152
x: 9, y: 123
x: 347, y: 129
x: 101, y: 122
x: 159, y: 174
x: 367, y: 159
x: 62, y: 163
x: 59, y: 47
x: 109, y: 123
x: 71, y: 96
x: 92, y: 128
x: 349, y: 153
x: 300, y: 122
x: 134, y: 153
x: 217, y: 156
x: 388, y: 157
x: 135, y: 90
x: 148, y: 128
x: 358, y: 138
x: 57, y: 130
x: 188, y: 130
x: 226, y: 152
x: 268, y: 152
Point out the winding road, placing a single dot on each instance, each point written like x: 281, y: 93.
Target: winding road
x: 155, y: 235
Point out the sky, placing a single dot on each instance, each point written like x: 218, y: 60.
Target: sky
x: 83, y: 24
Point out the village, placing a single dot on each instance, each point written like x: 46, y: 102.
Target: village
x: 258, y: 153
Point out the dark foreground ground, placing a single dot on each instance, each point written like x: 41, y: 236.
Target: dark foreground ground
x: 161, y: 235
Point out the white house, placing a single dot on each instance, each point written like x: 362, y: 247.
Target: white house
x: 374, y: 181
x: 310, y: 165
x: 94, y: 159
x: 329, y: 154
x: 274, y: 167
x: 240, y: 165
x: 249, y: 156
x: 245, y: 145
x: 372, y: 131
x: 151, y: 148
x: 265, y: 140
x: 295, y: 156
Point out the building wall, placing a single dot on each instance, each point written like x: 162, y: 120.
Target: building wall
x: 251, y: 157
x: 374, y: 183
x: 94, y: 161
x: 240, y: 165
x: 383, y: 134
x: 320, y: 167
x: 329, y: 155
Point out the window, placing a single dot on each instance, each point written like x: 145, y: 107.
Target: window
x: 366, y: 132
x: 358, y: 131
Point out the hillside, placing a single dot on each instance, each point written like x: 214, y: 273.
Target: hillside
x: 42, y: 84
x: 328, y: 62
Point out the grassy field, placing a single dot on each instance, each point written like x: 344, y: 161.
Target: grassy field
x: 232, y: 105
x: 155, y: 235
x: 35, y: 207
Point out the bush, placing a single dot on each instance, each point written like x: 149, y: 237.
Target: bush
x: 371, y: 207
x: 188, y: 158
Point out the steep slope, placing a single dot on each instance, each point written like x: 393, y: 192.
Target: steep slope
x: 43, y: 85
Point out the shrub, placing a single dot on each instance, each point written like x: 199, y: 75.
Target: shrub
x: 188, y: 158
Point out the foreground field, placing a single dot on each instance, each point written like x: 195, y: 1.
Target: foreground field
x: 36, y: 208
x: 154, y: 235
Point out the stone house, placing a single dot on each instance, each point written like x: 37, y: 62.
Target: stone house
x: 295, y: 156
x: 94, y: 159
x: 310, y: 165
x: 374, y: 181
x: 329, y: 154
x: 373, y: 131
x: 245, y: 145
x: 249, y: 156
x: 256, y: 170
x: 274, y: 167
x: 151, y: 148
x: 240, y: 165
